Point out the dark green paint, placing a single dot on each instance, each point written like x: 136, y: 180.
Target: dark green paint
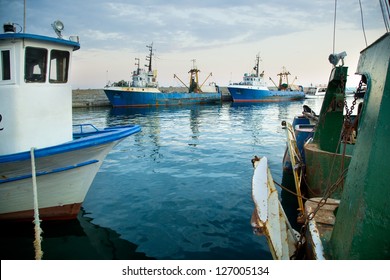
x: 327, y: 133
x: 362, y: 229
x: 324, y: 164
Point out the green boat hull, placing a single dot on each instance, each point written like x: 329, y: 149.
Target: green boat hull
x: 362, y: 228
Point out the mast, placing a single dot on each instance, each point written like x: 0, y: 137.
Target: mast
x: 283, y: 74
x: 194, y: 79
x: 256, y: 68
x: 137, y: 63
x: 149, y: 57
x: 24, y: 17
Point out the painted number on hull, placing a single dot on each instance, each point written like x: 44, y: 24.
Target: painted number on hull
x: 1, y: 117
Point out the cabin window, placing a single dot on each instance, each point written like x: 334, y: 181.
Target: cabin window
x: 35, y: 65
x: 59, y: 64
x: 5, y: 65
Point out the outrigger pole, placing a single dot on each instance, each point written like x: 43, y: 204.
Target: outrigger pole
x: 206, y: 79
x: 174, y: 76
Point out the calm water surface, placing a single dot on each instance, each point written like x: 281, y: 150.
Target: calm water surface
x: 180, y: 189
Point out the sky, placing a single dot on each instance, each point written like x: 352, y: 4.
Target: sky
x: 223, y: 36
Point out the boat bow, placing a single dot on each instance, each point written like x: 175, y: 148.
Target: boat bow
x: 268, y: 217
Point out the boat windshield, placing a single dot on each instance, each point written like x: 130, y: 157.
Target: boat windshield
x: 36, y: 65
x: 59, y: 64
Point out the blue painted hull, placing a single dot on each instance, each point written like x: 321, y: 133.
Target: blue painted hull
x: 259, y: 95
x: 303, y: 130
x: 147, y: 99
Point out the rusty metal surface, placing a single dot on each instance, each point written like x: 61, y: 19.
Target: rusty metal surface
x: 326, y: 214
x: 268, y: 217
x: 321, y: 226
x: 323, y: 169
x: 296, y: 162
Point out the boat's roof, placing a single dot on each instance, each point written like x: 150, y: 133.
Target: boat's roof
x: 74, y: 44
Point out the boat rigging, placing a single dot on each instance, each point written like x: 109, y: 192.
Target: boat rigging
x: 194, y: 79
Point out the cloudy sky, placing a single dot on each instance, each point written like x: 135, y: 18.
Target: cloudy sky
x: 224, y: 36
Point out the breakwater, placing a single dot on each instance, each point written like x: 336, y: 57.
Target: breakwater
x: 97, y: 98
x: 89, y: 98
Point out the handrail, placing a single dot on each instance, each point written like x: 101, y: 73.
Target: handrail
x: 296, y: 162
x: 83, y: 127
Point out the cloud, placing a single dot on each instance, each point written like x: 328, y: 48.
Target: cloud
x: 101, y: 36
x: 225, y: 35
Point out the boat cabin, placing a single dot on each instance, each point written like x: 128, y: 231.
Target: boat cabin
x: 141, y: 78
x: 35, y: 91
x: 252, y: 80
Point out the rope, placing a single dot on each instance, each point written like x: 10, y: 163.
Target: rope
x: 301, y: 196
x: 334, y: 25
x: 385, y: 8
x: 37, y: 228
x: 361, y: 15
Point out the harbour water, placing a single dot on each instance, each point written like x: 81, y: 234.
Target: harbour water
x: 178, y: 190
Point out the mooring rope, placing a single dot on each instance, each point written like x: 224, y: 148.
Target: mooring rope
x: 37, y: 227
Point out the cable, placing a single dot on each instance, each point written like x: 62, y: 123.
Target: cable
x: 361, y: 15
x: 334, y: 26
x: 385, y: 20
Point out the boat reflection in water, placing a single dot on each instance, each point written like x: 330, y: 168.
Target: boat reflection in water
x: 77, y: 239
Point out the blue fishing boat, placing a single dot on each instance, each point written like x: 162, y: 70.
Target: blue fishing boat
x: 253, y: 88
x: 298, y: 133
x: 143, y: 90
x: 47, y: 164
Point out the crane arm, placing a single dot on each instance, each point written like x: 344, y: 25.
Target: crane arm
x: 206, y: 79
x: 273, y: 82
x: 174, y: 76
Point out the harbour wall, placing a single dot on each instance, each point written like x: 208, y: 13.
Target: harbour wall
x: 97, y: 98
x: 89, y: 98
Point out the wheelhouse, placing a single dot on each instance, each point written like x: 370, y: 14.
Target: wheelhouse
x: 35, y: 91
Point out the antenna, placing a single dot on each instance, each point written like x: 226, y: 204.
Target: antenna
x: 24, y: 17
x: 193, y: 63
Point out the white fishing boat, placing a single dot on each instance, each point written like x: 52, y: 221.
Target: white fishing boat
x: 46, y: 163
x: 315, y: 92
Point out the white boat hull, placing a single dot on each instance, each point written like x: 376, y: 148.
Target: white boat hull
x: 316, y: 92
x: 312, y: 96
x: 268, y: 217
x: 63, y: 181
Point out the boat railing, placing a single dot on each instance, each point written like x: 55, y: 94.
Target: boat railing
x: 80, y: 130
